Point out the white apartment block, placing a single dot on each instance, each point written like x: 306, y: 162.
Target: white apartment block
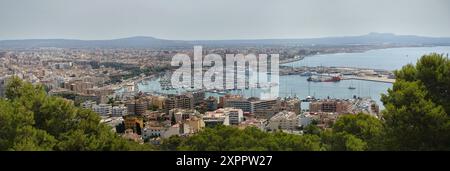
x: 102, y: 109
x: 284, y: 120
x: 236, y: 116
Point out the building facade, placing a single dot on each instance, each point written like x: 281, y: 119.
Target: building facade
x: 102, y: 109
x: 119, y: 111
x: 285, y: 120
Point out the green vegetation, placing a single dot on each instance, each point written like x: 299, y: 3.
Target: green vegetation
x: 418, y: 106
x: 31, y: 120
x: 416, y: 118
x: 225, y: 138
x: 354, y: 133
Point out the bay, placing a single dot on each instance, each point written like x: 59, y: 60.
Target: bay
x: 387, y: 59
x: 295, y: 85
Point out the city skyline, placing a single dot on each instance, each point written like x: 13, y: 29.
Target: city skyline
x: 204, y: 20
x: 224, y: 83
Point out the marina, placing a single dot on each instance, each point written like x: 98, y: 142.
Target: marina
x: 294, y: 77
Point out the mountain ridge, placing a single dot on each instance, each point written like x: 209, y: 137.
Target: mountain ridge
x: 372, y: 38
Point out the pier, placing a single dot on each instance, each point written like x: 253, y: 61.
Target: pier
x: 368, y: 78
x: 346, y: 73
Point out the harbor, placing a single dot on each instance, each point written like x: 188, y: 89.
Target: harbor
x: 367, y: 78
x: 364, y: 78
x: 335, y: 74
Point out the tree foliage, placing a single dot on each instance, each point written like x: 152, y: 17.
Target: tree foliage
x: 226, y: 138
x: 364, y: 127
x: 30, y: 120
x: 418, y: 106
x: 416, y: 118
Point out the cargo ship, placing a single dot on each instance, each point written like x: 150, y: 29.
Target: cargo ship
x: 324, y: 78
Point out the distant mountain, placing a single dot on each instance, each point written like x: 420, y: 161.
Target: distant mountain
x: 131, y: 42
x: 150, y: 42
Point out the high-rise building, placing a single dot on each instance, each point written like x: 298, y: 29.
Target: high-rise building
x: 136, y: 108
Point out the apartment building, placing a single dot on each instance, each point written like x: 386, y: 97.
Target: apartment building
x: 265, y: 109
x: 236, y: 116
x: 243, y: 104
x: 136, y: 108
x: 183, y: 114
x: 285, y: 120
x: 119, y: 111
x: 291, y: 104
x: 102, y: 109
x: 183, y: 101
x: 331, y: 106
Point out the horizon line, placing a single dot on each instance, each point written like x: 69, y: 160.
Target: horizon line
x: 232, y: 39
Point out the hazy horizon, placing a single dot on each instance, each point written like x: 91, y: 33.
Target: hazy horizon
x: 220, y: 20
x: 231, y: 39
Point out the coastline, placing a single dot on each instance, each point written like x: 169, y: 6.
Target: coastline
x: 355, y: 51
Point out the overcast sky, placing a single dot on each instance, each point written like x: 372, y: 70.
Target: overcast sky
x: 220, y: 19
